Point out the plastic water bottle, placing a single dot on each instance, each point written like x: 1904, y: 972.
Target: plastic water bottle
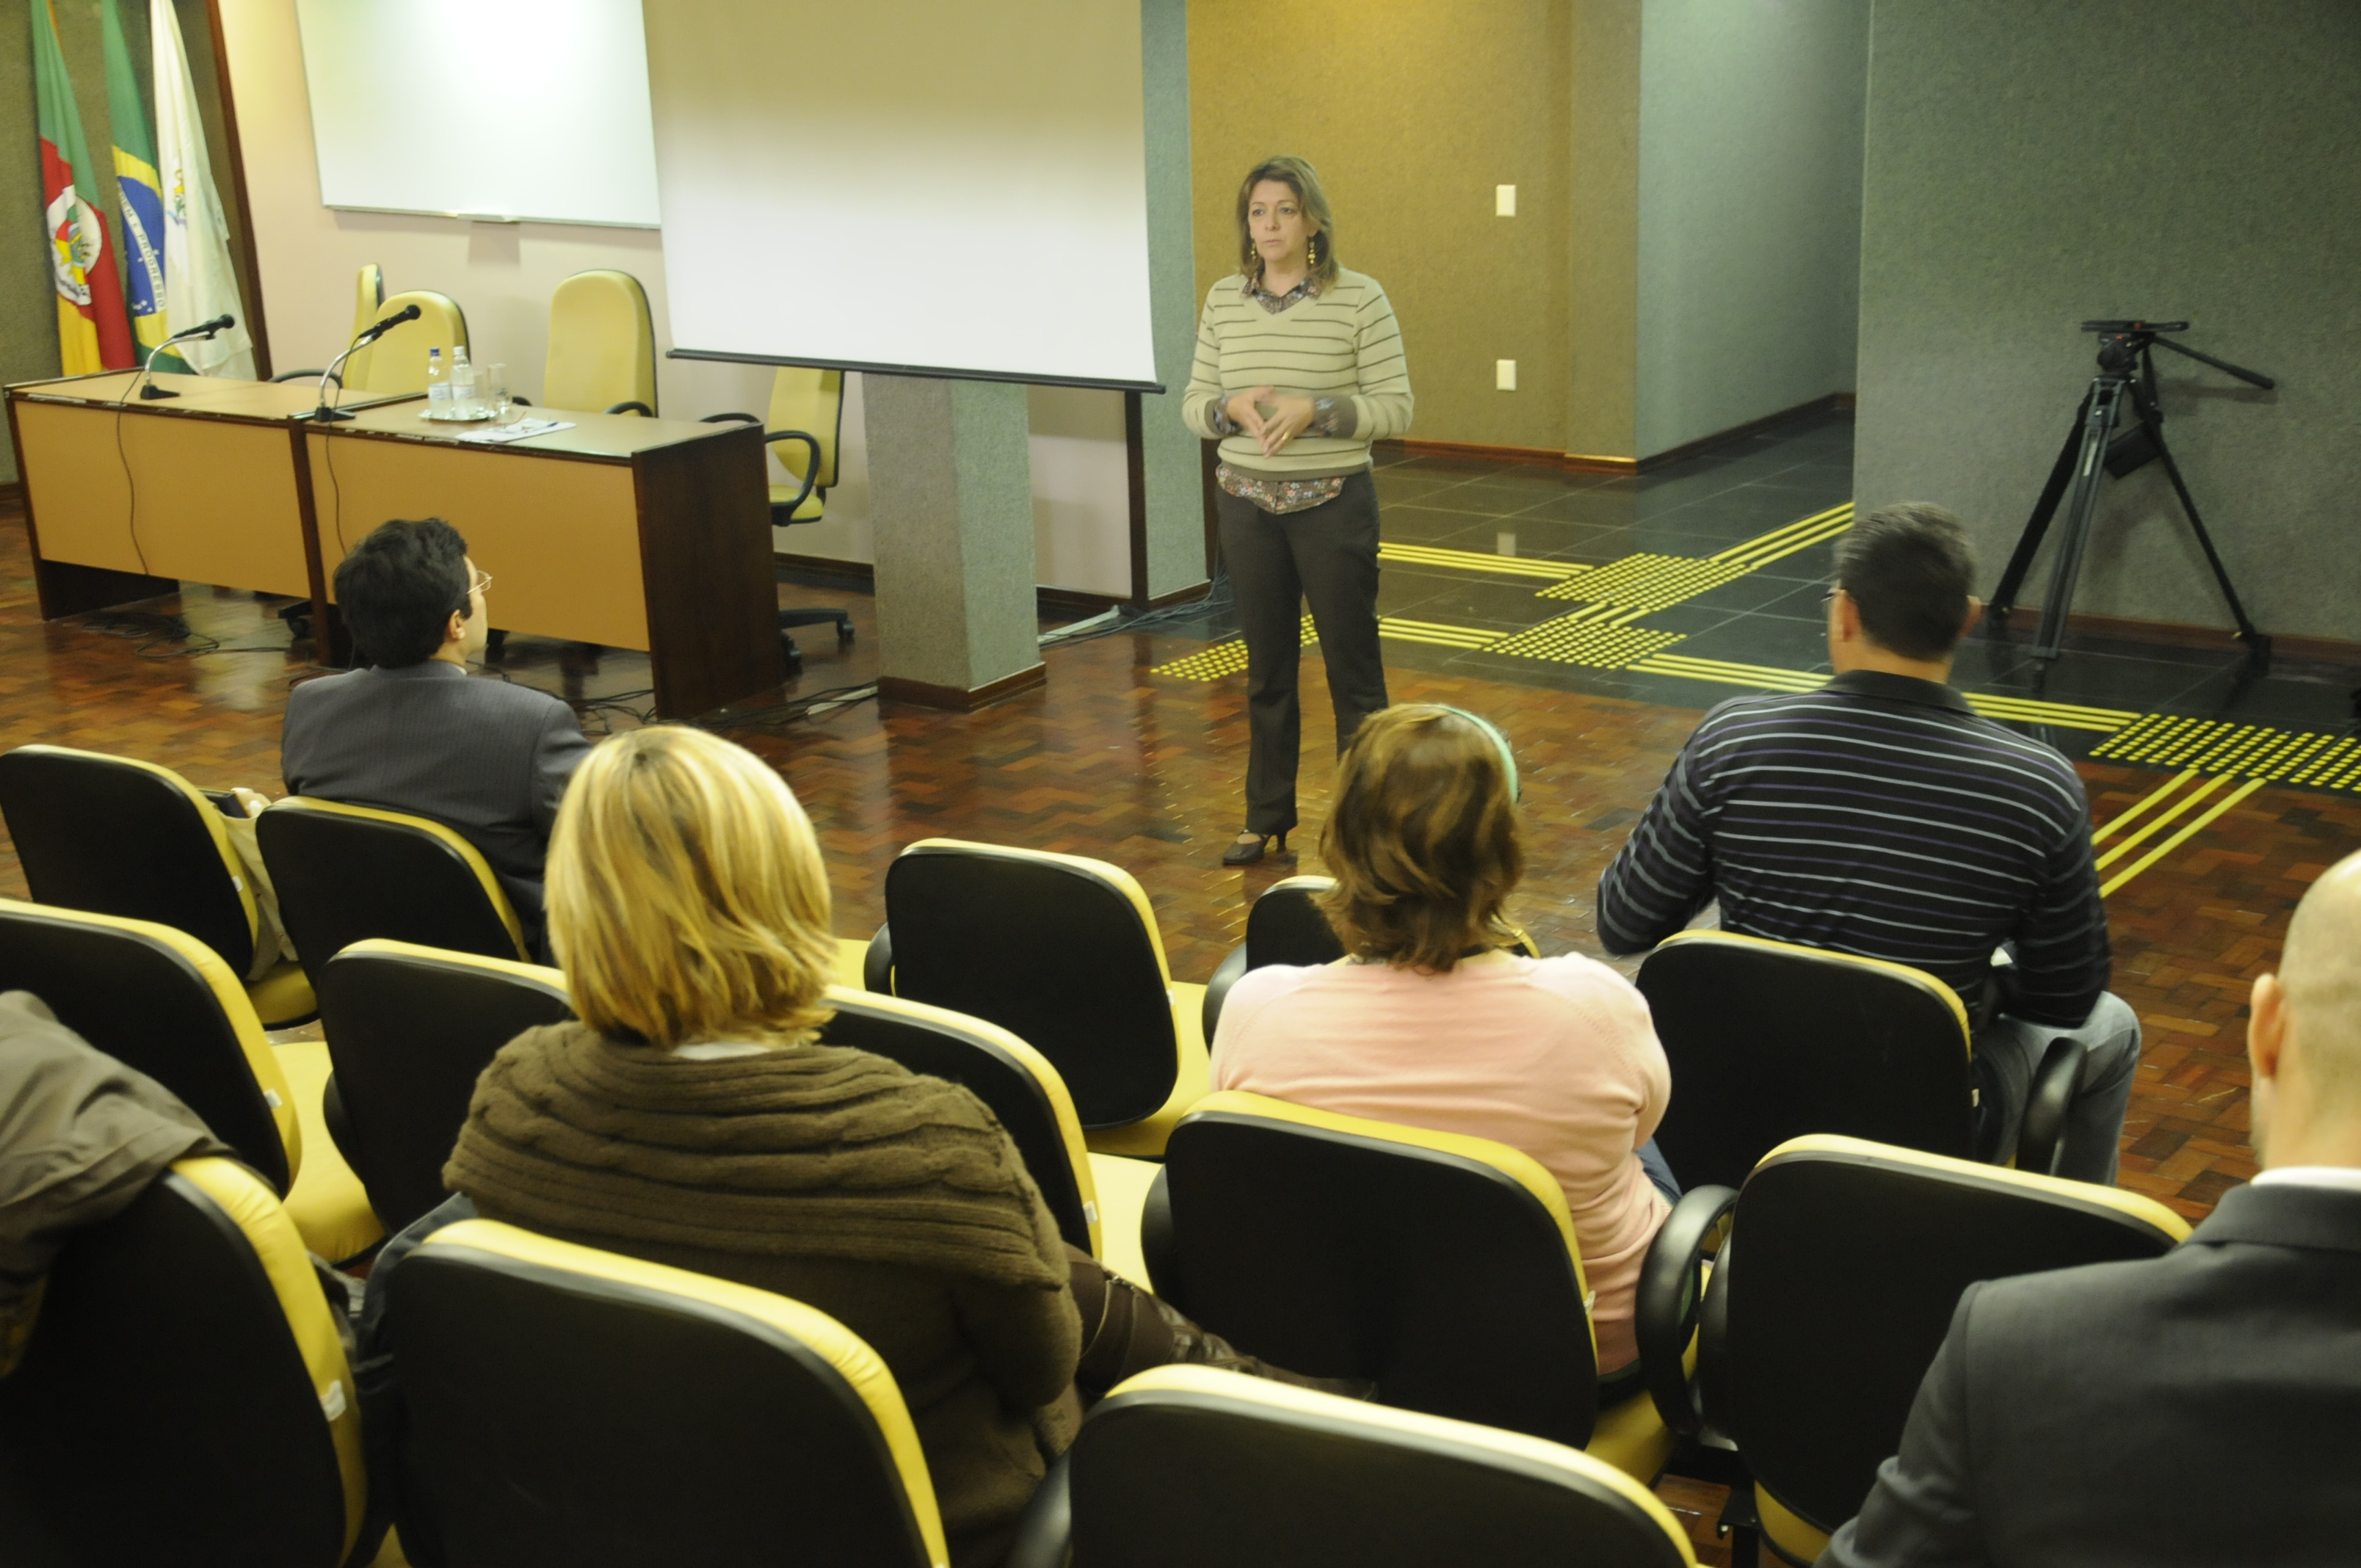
x: 438, y: 385
x: 464, y: 401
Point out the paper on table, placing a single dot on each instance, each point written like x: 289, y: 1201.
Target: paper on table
x: 517, y: 432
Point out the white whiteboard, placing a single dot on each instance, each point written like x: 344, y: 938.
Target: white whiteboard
x: 486, y: 108
x: 947, y: 187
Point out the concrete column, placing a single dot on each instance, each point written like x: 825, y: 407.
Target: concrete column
x: 951, y: 483
x: 1169, y: 524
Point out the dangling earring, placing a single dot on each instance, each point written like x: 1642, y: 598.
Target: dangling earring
x: 1311, y: 251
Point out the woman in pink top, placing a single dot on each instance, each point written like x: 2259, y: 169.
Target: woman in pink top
x: 1430, y: 1024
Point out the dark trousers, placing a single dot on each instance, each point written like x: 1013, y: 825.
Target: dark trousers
x: 1326, y: 556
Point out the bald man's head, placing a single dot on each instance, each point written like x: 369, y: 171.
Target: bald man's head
x: 2305, y: 1033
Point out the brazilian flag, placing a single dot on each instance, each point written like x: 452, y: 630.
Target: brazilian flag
x: 136, y: 190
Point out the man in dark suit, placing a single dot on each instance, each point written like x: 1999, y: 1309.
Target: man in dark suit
x: 412, y: 733
x: 2204, y: 1407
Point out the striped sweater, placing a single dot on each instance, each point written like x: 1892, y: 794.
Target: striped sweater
x: 1341, y: 343
x: 1878, y: 816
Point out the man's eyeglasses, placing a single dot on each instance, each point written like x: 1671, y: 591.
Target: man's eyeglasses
x: 480, y: 583
x: 1827, y: 598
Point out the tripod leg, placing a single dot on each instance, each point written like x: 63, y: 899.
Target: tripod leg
x: 2106, y: 395
x: 2028, y: 543
x: 2258, y: 647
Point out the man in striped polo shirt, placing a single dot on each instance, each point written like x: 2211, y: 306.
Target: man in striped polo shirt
x: 1881, y: 816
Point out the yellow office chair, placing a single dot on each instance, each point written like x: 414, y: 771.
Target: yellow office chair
x: 1063, y: 953
x: 1097, y: 1199
x: 767, y: 1431
x: 806, y: 424
x: 162, y: 1001
x: 368, y: 308
x: 1844, y: 1264
x: 1443, y: 1268
x: 118, y: 835
x: 1188, y: 1464
x: 184, y: 1397
x: 397, y: 362
x: 602, y: 346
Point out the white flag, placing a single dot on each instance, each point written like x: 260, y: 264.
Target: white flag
x: 199, y: 282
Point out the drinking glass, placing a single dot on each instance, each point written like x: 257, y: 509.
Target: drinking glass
x: 493, y: 388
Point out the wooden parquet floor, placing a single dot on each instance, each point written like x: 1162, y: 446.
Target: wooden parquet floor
x: 1109, y: 761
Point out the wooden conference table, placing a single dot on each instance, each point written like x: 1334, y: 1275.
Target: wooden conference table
x: 632, y: 533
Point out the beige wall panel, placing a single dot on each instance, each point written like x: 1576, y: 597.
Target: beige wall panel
x: 1411, y: 113
x: 217, y: 498
x: 562, y: 536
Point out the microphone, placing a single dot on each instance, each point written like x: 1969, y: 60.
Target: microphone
x: 148, y: 390
x: 221, y: 323
x: 324, y: 413
x: 407, y: 313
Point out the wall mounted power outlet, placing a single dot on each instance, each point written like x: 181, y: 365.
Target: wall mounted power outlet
x: 1504, y: 201
x: 1504, y: 375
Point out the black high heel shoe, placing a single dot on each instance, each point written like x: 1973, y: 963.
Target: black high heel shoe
x: 1249, y: 847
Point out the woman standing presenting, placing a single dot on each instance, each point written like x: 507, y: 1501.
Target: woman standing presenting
x: 1299, y: 367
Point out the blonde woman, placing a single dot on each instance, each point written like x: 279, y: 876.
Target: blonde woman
x: 1299, y: 367
x: 1430, y: 1023
x: 692, y: 1118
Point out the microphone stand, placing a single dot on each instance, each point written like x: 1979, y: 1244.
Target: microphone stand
x: 148, y: 390
x: 322, y: 414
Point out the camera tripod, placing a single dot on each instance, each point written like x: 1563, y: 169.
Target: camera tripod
x: 2126, y: 373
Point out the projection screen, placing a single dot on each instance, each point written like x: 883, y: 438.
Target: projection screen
x: 930, y: 187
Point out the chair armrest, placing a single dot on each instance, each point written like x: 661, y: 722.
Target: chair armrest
x: 633, y: 407
x: 1158, y: 1248
x: 811, y: 472
x: 1665, y: 1311
x: 1045, y: 1530
x: 311, y: 375
x: 1219, y: 986
x: 877, y: 965
x: 339, y: 1120
x: 730, y: 418
x: 2041, y: 1137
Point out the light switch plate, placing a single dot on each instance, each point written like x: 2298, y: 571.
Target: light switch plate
x: 1504, y: 201
x: 1504, y: 375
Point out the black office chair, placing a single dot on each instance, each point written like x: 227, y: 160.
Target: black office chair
x: 1769, y: 1041
x: 183, y: 1396
x: 1285, y: 926
x: 410, y: 1030
x: 1442, y: 1267
x: 118, y: 835
x: 808, y: 412
x: 159, y: 1000
x: 1013, y: 1080
x: 1843, y: 1265
x: 1062, y: 952
x: 345, y: 874
x: 1185, y: 1464
x: 765, y: 1431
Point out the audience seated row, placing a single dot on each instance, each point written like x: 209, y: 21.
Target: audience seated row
x: 691, y: 1114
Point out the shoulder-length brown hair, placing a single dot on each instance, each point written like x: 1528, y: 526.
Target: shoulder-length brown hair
x: 686, y: 898
x: 1304, y: 180
x: 1421, y: 840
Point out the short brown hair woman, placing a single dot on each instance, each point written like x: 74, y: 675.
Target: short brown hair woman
x: 1299, y: 367
x: 1430, y: 1023
x: 693, y: 1118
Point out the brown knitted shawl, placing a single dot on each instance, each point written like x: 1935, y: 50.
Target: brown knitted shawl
x: 805, y: 1151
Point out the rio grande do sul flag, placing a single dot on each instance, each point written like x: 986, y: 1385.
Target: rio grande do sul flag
x: 93, y: 333
x: 135, y: 192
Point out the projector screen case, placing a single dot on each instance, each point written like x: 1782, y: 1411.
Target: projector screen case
x: 915, y: 187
